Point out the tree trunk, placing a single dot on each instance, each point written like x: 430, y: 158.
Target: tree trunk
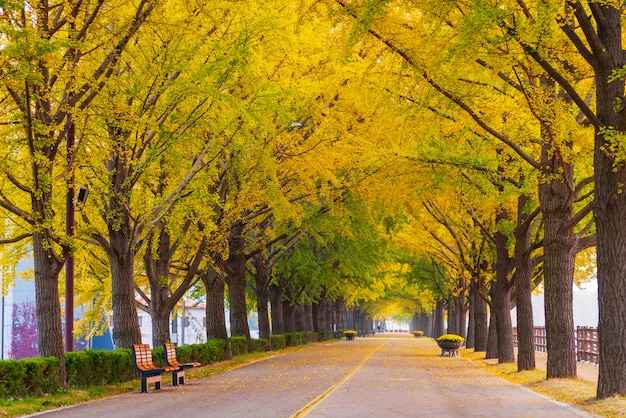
x: 300, y: 318
x: 215, y: 309
x: 308, y: 316
x: 161, y: 328
x: 523, y: 288
x: 331, y: 316
x: 340, y: 309
x: 289, y: 315
x: 609, y: 213
x: 49, y: 325
x: 319, y: 316
x: 470, y: 341
x: 236, y: 281
x: 481, y: 326
x: 558, y: 245
x: 439, y: 326
x: 500, y: 302
x: 262, y: 278
x: 276, y: 300
x: 461, y: 315
x: 452, y: 317
x: 426, y: 322
x: 126, y: 331
x: 157, y: 270
x: 610, y: 207
x: 492, y: 335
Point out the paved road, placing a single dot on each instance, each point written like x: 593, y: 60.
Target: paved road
x: 383, y: 376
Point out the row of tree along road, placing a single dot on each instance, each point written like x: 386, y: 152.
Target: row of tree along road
x: 395, y: 158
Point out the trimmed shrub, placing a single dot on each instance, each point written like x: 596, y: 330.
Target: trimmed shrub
x: 98, y: 367
x: 260, y: 345
x: 217, y: 350
x: 209, y: 352
x: 302, y: 339
x: 238, y: 345
x: 29, y: 377
x: 290, y: 339
x: 278, y: 342
x: 184, y: 354
x: 122, y: 369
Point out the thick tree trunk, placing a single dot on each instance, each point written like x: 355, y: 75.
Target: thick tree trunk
x: 276, y: 301
x: 610, y: 207
x: 262, y: 278
x: 215, y: 308
x: 340, y: 311
x: 461, y: 315
x: 319, y: 316
x: 126, y: 331
x: 49, y: 325
x: 331, y: 316
x: 481, y: 325
x: 157, y: 270
x: 236, y: 281
x: 262, y: 303
x: 308, y: 316
x: 492, y: 335
x: 501, y: 297
x: 452, y: 327
x: 300, y: 318
x: 439, y: 326
x: 289, y: 315
x: 559, y: 253
x: 523, y: 289
x: 470, y: 341
x: 161, y: 328
x: 426, y: 324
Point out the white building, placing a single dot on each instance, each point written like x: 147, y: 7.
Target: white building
x: 189, y: 327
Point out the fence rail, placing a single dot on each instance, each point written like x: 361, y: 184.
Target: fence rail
x: 585, y: 340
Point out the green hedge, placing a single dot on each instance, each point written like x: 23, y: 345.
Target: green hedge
x: 99, y: 367
x: 278, y: 342
x: 290, y: 339
x: 29, y: 377
x: 238, y: 345
x: 260, y: 345
x: 39, y: 376
x: 302, y: 338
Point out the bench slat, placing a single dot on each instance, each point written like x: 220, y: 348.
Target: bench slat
x: 178, y: 376
x: 142, y: 359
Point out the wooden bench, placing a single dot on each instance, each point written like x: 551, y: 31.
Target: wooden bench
x: 142, y: 359
x: 178, y: 375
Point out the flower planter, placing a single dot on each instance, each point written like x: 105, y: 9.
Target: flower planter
x: 450, y: 347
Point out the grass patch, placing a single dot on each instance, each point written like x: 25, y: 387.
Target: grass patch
x: 24, y: 406
x: 577, y: 392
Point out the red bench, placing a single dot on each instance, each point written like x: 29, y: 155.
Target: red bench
x: 142, y: 359
x: 178, y: 375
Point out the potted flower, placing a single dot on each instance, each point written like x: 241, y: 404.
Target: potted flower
x: 350, y: 334
x: 450, y: 343
x: 417, y: 333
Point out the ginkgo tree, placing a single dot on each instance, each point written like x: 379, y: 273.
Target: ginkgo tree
x: 396, y: 24
x: 56, y: 58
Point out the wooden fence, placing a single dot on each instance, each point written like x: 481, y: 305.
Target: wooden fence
x: 586, y: 341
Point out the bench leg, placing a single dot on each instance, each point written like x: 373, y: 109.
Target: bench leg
x: 146, y: 380
x: 178, y: 377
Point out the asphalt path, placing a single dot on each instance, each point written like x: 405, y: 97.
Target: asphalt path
x: 381, y: 376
